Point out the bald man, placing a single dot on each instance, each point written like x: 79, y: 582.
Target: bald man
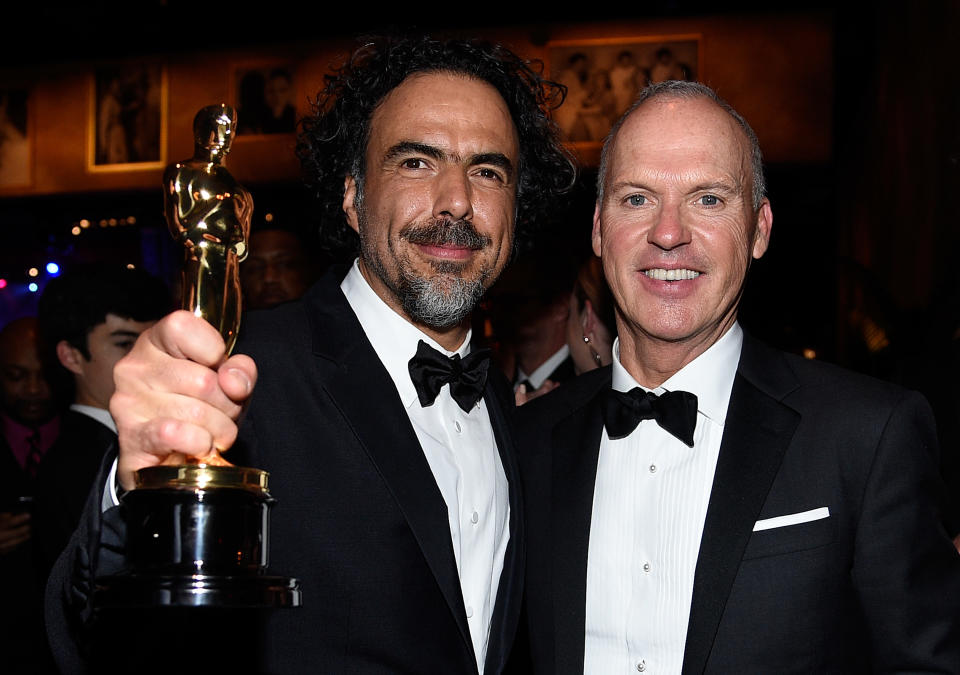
x: 708, y: 504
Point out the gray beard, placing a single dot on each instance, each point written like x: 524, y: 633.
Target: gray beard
x: 439, y: 302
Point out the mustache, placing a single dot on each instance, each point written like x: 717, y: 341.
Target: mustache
x: 442, y: 232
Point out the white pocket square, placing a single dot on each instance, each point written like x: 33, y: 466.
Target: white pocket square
x: 792, y: 519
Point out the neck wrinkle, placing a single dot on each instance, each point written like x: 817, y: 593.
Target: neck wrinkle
x: 651, y: 361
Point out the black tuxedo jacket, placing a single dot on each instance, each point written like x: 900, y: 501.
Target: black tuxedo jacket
x: 875, y: 586
x: 23, y: 648
x: 359, y: 518
x: 14, y: 481
x: 564, y: 372
x: 65, y: 477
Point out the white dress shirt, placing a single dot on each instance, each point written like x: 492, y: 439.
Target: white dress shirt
x: 462, y: 454
x: 649, y: 506
x: 540, y: 375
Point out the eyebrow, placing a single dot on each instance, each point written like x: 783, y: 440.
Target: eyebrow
x: 411, y: 147
x: 497, y: 159
x: 628, y: 185
x: 125, y: 333
x: 718, y: 186
x: 713, y: 186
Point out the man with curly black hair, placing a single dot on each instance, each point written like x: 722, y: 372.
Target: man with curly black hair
x: 334, y: 141
x: 389, y: 448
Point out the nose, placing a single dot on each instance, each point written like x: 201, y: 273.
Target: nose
x: 36, y: 385
x: 669, y: 231
x: 271, y: 272
x: 453, y: 197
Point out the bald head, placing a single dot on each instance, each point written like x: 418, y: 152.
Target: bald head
x: 24, y: 393
x: 682, y: 90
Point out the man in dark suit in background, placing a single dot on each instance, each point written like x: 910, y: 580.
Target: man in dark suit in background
x: 29, y: 425
x: 529, y: 309
x: 399, y: 498
x: 89, y: 318
x: 753, y: 513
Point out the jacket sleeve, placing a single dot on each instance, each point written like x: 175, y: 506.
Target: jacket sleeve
x: 96, y: 548
x: 905, y: 570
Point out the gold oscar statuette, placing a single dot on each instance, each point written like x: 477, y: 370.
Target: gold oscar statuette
x: 197, y: 529
x: 208, y: 212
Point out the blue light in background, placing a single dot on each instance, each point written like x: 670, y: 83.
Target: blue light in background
x: 53, y: 269
x: 33, y: 287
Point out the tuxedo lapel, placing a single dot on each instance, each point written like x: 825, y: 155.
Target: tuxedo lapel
x: 506, y: 612
x: 576, y: 440
x: 362, y: 389
x: 757, y: 431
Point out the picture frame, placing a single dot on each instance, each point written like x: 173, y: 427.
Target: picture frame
x: 265, y: 96
x: 127, y: 127
x: 16, y: 138
x: 603, y: 77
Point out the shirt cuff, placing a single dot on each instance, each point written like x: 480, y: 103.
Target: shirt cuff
x: 110, y: 498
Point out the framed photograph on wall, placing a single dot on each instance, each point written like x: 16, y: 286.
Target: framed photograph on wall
x: 265, y: 97
x: 603, y: 77
x: 16, y: 140
x: 128, y: 118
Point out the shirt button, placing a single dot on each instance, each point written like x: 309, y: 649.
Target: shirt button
x: 475, y: 518
x: 653, y: 468
x: 646, y: 567
x: 456, y: 425
x: 469, y: 612
x: 642, y: 666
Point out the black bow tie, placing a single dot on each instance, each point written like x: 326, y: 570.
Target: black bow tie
x: 674, y: 411
x: 430, y: 370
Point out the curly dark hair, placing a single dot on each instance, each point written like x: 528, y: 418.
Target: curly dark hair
x: 333, y: 140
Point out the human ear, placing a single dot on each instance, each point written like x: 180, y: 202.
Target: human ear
x: 588, y: 318
x: 761, y: 235
x: 70, y: 357
x: 595, y: 236
x: 349, y: 202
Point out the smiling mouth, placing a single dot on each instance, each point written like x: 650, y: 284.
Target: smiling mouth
x: 660, y: 274
x: 448, y: 251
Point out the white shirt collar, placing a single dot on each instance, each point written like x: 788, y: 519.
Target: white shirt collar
x: 709, y: 376
x: 539, y: 375
x: 99, y: 414
x: 393, y: 338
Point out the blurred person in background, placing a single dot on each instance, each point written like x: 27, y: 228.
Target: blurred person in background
x: 278, y: 268
x: 89, y: 319
x: 30, y: 425
x: 591, y: 326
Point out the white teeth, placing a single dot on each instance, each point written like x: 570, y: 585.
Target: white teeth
x: 661, y: 274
